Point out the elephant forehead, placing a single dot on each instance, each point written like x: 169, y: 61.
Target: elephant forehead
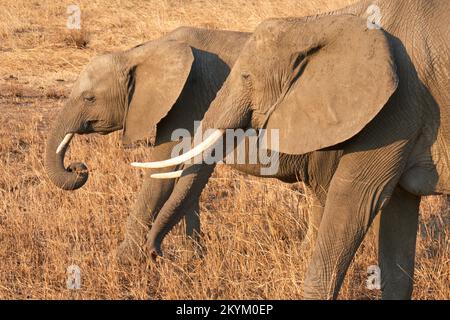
x: 100, y: 62
x: 98, y: 74
x: 271, y: 37
x: 277, y: 38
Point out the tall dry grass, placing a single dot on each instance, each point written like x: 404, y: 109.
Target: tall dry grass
x: 252, y: 227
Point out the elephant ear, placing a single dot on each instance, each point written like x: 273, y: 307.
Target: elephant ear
x: 158, y: 73
x: 342, y: 74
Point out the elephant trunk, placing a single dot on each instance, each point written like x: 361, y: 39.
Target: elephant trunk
x: 75, y: 175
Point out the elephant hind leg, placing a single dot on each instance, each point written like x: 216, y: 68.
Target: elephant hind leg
x: 397, y: 245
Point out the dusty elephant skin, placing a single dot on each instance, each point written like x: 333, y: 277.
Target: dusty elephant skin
x: 381, y: 96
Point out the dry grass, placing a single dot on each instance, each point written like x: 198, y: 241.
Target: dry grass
x: 252, y: 228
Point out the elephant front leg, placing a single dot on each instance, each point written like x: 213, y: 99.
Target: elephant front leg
x: 183, y: 200
x: 397, y: 245
x: 152, y: 196
x: 361, y: 187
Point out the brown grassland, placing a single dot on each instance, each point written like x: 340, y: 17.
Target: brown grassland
x: 252, y: 227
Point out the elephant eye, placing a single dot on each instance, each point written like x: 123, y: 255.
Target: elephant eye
x: 89, y: 99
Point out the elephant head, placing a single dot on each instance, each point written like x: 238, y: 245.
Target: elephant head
x: 318, y: 82
x: 132, y: 90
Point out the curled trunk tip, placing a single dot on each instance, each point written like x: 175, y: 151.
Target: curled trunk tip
x: 71, y: 178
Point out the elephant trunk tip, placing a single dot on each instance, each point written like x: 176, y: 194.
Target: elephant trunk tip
x: 75, y: 175
x: 82, y: 175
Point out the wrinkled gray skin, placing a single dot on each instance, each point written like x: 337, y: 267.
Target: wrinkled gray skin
x: 387, y: 165
x: 109, y: 95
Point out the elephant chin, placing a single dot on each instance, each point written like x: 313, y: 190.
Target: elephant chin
x: 71, y: 178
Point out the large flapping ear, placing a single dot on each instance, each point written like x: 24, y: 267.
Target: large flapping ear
x: 341, y: 74
x: 158, y: 73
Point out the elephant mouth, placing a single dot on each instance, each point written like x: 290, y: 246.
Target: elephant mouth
x: 96, y: 126
x: 99, y: 130
x: 107, y: 130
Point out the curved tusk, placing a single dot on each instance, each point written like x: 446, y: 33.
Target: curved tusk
x: 177, y: 174
x: 167, y: 175
x: 208, y: 142
x: 65, y: 141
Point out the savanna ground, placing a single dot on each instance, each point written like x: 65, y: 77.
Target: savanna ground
x: 252, y: 228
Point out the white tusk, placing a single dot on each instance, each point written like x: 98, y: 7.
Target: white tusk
x: 65, y: 141
x: 204, y: 145
x: 167, y: 175
x: 177, y: 174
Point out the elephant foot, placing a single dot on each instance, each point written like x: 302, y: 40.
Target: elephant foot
x: 154, y: 254
x: 153, y: 251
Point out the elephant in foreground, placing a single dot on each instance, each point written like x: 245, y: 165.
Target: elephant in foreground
x: 381, y: 97
x: 150, y: 91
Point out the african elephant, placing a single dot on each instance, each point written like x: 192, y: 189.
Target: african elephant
x: 336, y: 82
x: 147, y: 91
